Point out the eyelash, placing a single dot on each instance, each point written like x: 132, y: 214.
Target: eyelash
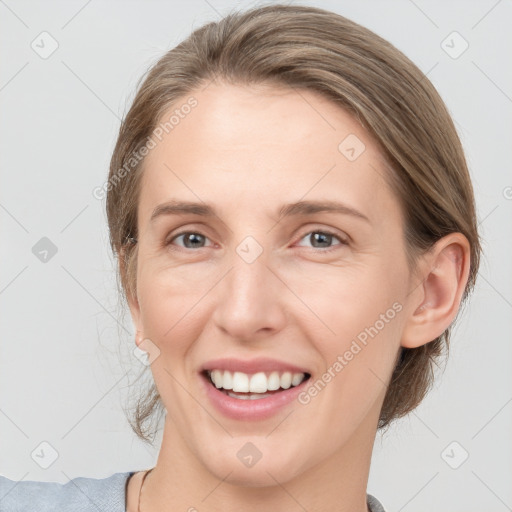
x: 322, y: 231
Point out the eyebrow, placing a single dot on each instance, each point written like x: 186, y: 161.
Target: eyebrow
x: 174, y: 207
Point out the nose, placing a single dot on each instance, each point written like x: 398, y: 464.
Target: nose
x: 250, y: 301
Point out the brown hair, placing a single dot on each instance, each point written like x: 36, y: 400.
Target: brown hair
x: 311, y: 48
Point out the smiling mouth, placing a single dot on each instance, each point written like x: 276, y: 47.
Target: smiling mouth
x: 255, y: 386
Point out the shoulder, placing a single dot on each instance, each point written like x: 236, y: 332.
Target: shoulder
x: 374, y: 505
x: 78, y: 495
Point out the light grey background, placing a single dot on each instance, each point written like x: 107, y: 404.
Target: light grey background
x: 66, y: 365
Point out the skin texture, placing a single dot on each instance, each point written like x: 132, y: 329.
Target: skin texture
x: 247, y: 151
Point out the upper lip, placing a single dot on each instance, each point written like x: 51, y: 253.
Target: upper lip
x: 250, y: 366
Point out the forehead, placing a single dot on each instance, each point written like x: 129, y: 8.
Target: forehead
x: 257, y: 146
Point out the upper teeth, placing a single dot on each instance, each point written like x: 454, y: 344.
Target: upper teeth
x: 256, y: 383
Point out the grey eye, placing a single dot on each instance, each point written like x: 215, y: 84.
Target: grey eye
x: 322, y: 239
x: 191, y: 239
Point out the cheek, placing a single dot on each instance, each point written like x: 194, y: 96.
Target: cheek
x: 357, y: 364
x: 341, y: 302
x: 365, y: 311
x: 356, y: 331
x: 170, y: 301
x: 172, y: 318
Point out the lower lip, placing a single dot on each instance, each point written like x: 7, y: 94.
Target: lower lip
x: 250, y: 410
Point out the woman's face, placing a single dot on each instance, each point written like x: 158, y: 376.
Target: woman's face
x: 232, y: 286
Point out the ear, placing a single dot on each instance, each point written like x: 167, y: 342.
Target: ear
x: 133, y: 303
x: 436, y: 300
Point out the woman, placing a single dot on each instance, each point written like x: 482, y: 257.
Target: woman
x: 296, y: 232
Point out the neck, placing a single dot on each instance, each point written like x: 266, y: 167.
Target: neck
x: 337, y: 484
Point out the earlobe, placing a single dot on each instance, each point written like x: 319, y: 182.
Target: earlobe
x: 133, y: 304
x: 436, y: 301
x: 132, y: 299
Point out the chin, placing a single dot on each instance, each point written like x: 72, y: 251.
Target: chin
x: 247, y: 466
x: 260, y: 475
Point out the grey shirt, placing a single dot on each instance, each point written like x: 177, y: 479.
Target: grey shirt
x: 81, y: 495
